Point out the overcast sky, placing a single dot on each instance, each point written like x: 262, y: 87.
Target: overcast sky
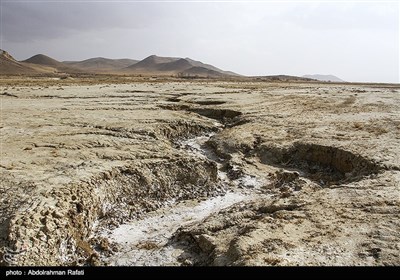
x: 356, y: 41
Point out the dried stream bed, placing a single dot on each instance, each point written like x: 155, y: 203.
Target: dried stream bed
x: 149, y: 240
x: 199, y: 173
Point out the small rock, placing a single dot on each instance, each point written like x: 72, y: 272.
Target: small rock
x: 285, y: 189
x: 49, y: 227
x: 57, y: 215
x: 107, y: 176
x: 285, y: 194
x: 41, y: 236
x: 205, y: 242
x: 187, y: 262
x: 104, y: 245
x: 94, y: 260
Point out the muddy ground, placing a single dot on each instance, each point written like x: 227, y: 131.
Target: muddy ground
x: 199, y: 173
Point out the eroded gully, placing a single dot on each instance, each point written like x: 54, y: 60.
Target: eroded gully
x: 148, y: 241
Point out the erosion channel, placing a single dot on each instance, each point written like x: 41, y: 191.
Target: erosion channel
x: 150, y: 240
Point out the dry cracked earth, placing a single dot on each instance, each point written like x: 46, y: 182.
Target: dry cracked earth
x: 199, y: 173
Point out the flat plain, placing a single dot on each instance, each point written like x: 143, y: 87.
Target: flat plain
x: 121, y: 171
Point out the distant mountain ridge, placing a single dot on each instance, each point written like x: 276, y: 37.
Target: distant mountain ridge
x: 324, y: 78
x: 283, y: 78
x: 41, y: 64
x: 155, y: 63
x: 151, y: 65
x: 177, y: 66
x: 101, y: 64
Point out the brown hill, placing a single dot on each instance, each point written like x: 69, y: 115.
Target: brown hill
x: 209, y: 66
x: 201, y: 72
x: 101, y: 64
x: 154, y: 59
x: 44, y: 60
x: 152, y: 64
x: 9, y: 66
x: 175, y: 66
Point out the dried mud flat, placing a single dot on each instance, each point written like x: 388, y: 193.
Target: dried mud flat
x: 199, y: 173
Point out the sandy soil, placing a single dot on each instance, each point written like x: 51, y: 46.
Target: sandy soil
x: 199, y: 173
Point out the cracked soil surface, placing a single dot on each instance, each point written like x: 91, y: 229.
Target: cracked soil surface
x: 199, y: 173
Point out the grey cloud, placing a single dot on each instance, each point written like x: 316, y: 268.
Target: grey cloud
x: 27, y: 21
x: 357, y: 41
x: 351, y: 15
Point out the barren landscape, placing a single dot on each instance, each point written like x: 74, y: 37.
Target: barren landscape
x: 147, y: 171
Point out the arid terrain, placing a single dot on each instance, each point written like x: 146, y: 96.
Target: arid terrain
x: 153, y: 65
x: 123, y: 171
